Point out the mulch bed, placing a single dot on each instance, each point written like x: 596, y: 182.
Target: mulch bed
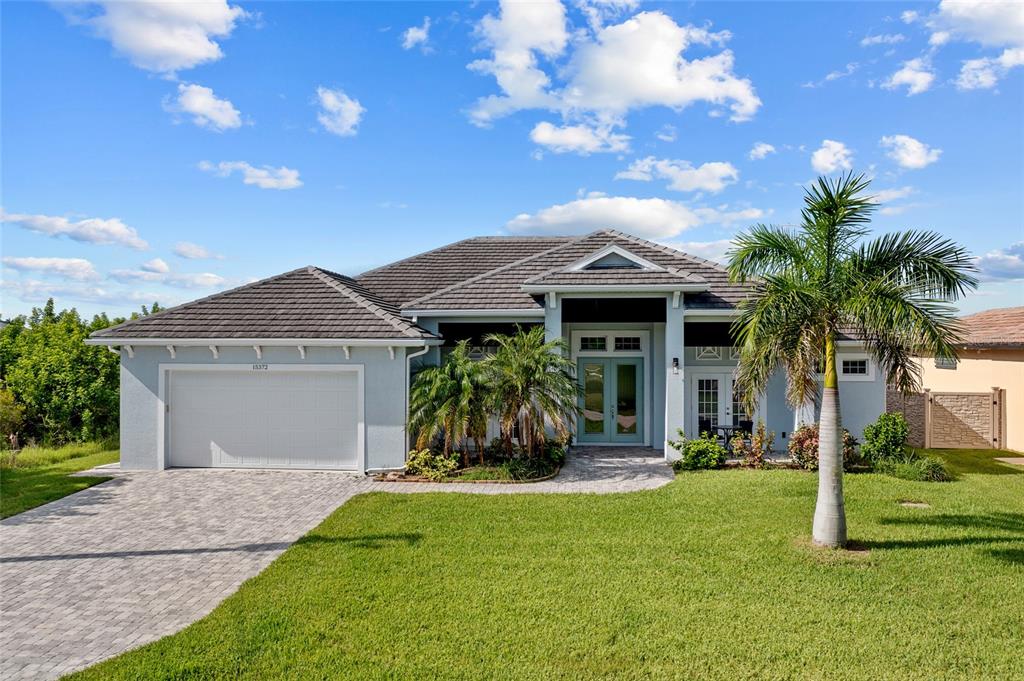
x: 402, y: 477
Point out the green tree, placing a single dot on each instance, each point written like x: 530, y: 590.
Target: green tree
x: 448, y: 401
x: 532, y: 383
x: 824, y: 279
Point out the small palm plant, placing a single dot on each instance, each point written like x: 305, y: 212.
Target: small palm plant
x: 823, y: 280
x: 532, y: 383
x: 449, y: 401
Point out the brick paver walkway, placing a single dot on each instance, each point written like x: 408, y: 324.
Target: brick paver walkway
x: 142, y: 556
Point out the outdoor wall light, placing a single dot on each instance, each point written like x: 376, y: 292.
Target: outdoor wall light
x: 675, y: 365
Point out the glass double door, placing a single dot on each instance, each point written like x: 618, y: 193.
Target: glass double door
x: 612, y: 400
x: 713, y: 402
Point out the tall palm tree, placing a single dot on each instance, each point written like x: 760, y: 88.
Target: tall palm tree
x: 532, y: 383
x: 826, y: 279
x: 448, y: 401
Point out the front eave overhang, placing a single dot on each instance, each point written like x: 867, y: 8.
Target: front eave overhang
x: 228, y: 342
x: 613, y: 288
x: 512, y: 314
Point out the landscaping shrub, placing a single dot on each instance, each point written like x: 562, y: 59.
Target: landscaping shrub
x: 886, y: 438
x: 435, y: 467
x: 703, y: 453
x: 912, y: 466
x: 803, y: 448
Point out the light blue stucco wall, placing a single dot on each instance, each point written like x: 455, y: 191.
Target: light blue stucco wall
x: 384, y: 394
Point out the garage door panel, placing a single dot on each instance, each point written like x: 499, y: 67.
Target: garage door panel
x: 278, y: 419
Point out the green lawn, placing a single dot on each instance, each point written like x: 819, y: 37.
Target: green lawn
x: 709, y: 577
x: 41, y: 475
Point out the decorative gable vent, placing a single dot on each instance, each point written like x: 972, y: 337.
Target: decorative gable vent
x: 614, y: 258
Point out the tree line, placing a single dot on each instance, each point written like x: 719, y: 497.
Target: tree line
x: 54, y: 388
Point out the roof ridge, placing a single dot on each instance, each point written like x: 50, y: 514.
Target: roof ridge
x: 415, y: 255
x: 333, y: 280
x: 669, y: 250
x: 218, y: 294
x: 499, y: 269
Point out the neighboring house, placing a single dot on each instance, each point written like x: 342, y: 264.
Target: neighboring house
x: 978, y: 400
x: 310, y: 369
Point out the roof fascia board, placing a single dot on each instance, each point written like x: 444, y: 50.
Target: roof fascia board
x: 532, y: 312
x: 230, y: 342
x: 598, y: 288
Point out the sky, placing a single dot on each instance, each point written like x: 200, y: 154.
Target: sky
x: 165, y: 151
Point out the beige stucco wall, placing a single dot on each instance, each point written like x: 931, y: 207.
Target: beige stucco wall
x: 980, y: 371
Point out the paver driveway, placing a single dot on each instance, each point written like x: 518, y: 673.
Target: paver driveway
x: 142, y: 556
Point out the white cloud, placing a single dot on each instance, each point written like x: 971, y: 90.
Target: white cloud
x: 988, y: 22
x: 79, y: 269
x: 887, y: 195
x: 909, y: 16
x: 1004, y: 263
x: 339, y: 113
x: 581, y: 139
x: 89, y: 230
x: 831, y: 156
x: 640, y: 63
x: 848, y: 70
x: 265, y: 177
x: 207, y: 110
x: 882, y: 39
x: 709, y: 250
x: 191, y: 251
x: 726, y: 217
x: 760, y: 150
x: 991, y: 24
x: 156, y: 271
x: 159, y: 36
x: 909, y: 152
x: 598, y: 12
x: 520, y: 32
x: 667, y: 133
x: 416, y: 35
x: 682, y: 176
x: 916, y: 74
x: 610, y: 71
x: 648, y: 218
x: 33, y: 290
x: 985, y: 72
x: 156, y: 265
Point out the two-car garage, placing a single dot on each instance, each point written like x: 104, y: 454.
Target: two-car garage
x: 264, y: 416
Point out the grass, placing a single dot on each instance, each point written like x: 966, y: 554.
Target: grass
x: 41, y: 475
x: 712, y: 576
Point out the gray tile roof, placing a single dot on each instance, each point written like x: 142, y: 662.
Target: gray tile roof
x: 305, y: 303
x: 420, y: 275
x: 614, y: 277
x: 501, y: 288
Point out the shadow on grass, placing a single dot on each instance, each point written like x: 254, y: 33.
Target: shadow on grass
x: 365, y: 541
x: 980, y: 461
x: 1010, y: 524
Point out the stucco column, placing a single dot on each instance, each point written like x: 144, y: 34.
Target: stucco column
x: 674, y: 393
x: 552, y: 317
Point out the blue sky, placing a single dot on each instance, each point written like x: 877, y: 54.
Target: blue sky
x: 166, y: 153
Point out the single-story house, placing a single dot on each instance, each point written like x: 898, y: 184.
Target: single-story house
x: 976, y: 401
x: 311, y: 369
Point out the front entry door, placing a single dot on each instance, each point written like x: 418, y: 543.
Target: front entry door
x: 612, y: 400
x: 713, y: 403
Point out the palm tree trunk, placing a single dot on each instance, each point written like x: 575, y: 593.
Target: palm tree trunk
x: 830, y: 511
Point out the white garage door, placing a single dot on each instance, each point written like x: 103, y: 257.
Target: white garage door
x: 264, y: 419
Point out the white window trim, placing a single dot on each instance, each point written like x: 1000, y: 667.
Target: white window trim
x: 166, y: 369
x: 734, y: 352
x: 842, y: 356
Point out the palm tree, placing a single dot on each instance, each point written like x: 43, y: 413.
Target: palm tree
x: 532, y: 383
x: 825, y: 279
x: 448, y: 401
